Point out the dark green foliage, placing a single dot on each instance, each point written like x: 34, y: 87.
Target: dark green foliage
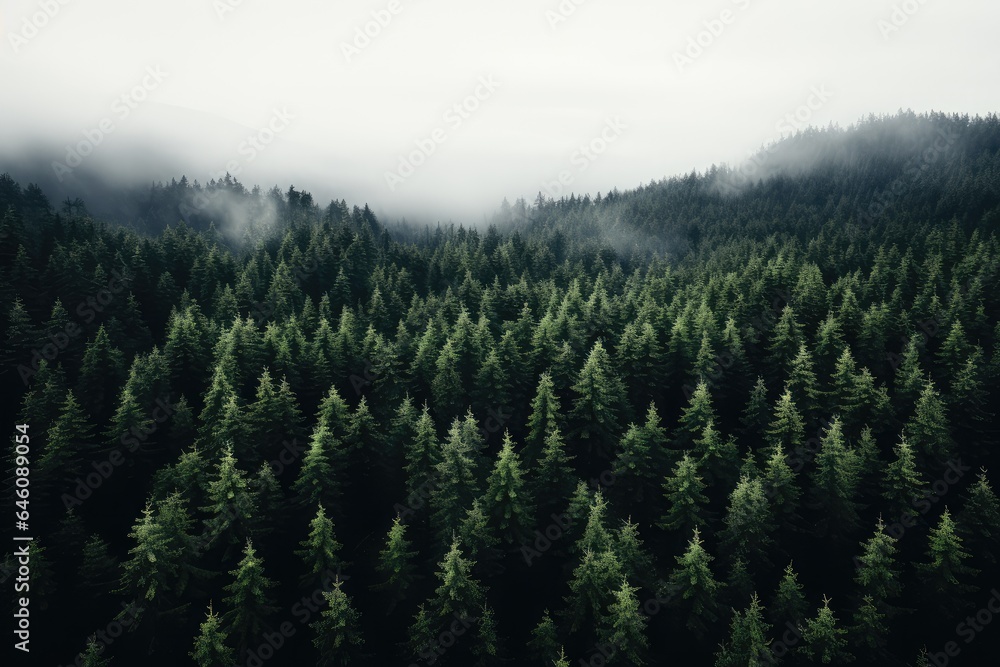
x: 683, y: 491
x: 210, y: 649
x: 623, y: 628
x: 823, y: 640
x: 319, y: 549
x: 599, y: 402
x: 749, y: 644
x: 697, y: 586
x: 506, y: 501
x: 249, y: 602
x: 396, y: 562
x: 552, y: 403
x: 338, y: 632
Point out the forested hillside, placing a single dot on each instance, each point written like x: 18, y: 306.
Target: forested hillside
x: 742, y: 417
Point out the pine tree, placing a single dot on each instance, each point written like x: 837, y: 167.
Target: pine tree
x: 787, y: 428
x: 544, y: 645
x: 543, y: 420
x: 553, y: 477
x: 748, y: 523
x: 249, y: 602
x: 756, y: 414
x: 902, y: 483
x: 641, y: 357
x: 422, y: 452
x: 780, y: 486
x: 459, y: 593
x: 210, y: 649
x: 696, y: 583
x: 44, y: 400
x: 319, y: 549
x: 835, y: 482
x: 220, y: 393
x: 98, y: 568
x: 969, y: 399
x: 395, y: 563
x: 697, y: 415
x: 802, y: 381
x: 321, y: 478
x: 636, y: 562
x: 909, y: 379
x: 748, y: 644
x: 68, y: 444
x: 641, y: 451
x: 158, y: 564
x: 945, y: 574
x: 599, y: 402
x: 456, y: 481
x: 338, y: 632
x: 928, y: 428
x: 506, y: 502
x: 476, y: 534
x: 789, y: 602
x: 230, y: 503
x: 979, y: 520
x: 869, y: 627
x: 492, y: 387
x: 102, y: 372
x: 334, y: 413
x: 954, y: 351
x: 683, y: 491
x: 843, y: 394
x: 595, y: 536
x: 877, y: 573
x: 274, y: 416
x: 402, y: 432
x: 591, y: 587
x: 786, y: 340
x: 718, y: 456
x: 829, y: 345
x: 823, y: 640
x: 624, y: 628
x: 92, y: 655
x: 448, y: 390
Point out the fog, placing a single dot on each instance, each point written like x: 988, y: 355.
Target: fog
x: 446, y: 107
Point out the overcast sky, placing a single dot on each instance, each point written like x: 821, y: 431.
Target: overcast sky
x: 562, y: 74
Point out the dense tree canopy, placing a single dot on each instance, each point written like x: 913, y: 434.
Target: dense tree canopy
x: 592, y: 427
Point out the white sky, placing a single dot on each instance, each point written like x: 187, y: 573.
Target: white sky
x: 558, y: 86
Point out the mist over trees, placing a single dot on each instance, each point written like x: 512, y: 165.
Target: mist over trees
x: 742, y: 417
